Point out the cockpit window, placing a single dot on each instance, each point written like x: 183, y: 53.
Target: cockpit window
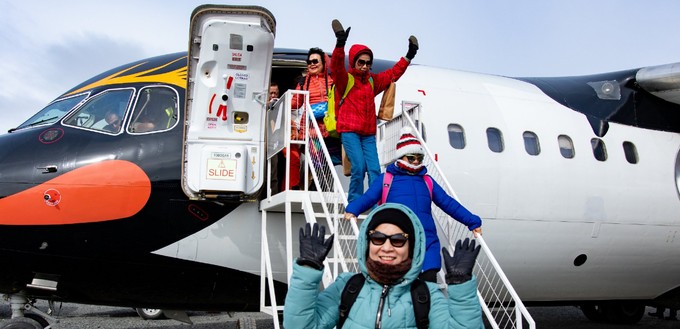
x: 103, y: 112
x: 53, y: 112
x: 155, y: 110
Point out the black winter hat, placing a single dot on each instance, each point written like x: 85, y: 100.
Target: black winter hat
x: 396, y: 217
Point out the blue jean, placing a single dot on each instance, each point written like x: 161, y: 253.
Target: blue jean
x: 363, y: 154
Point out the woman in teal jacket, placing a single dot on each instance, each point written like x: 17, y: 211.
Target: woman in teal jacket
x: 390, y: 250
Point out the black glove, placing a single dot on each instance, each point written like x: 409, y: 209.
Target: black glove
x: 313, y: 249
x: 412, y: 48
x: 340, y: 33
x: 459, y: 266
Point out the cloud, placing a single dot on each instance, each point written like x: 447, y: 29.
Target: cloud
x: 39, y: 74
x: 50, y: 46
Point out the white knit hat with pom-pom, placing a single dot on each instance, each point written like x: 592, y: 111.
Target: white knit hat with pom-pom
x: 408, y: 143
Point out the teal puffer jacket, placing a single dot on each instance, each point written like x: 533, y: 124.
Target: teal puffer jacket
x: 308, y: 307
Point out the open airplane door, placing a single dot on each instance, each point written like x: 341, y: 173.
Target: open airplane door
x: 229, y: 67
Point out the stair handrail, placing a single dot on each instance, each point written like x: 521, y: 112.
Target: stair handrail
x: 333, y: 202
x: 486, y: 284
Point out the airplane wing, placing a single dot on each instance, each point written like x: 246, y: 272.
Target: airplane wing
x: 662, y: 81
x: 647, y: 98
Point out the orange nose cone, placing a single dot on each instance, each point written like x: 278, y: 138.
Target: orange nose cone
x: 99, y: 192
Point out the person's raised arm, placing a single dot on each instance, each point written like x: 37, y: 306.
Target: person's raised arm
x: 340, y: 33
x: 412, y: 48
x: 338, y: 70
x: 464, y: 305
x: 313, y: 248
x: 304, y: 308
x: 384, y: 78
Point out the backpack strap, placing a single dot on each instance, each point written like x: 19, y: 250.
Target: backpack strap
x: 387, y: 182
x: 420, y: 296
x: 301, y: 82
x: 428, y: 182
x: 349, y: 296
x: 350, y: 84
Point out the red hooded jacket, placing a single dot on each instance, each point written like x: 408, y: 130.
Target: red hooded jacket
x: 357, y: 114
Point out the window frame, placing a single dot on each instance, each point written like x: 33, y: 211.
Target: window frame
x: 571, y: 148
x: 134, y: 117
x: 499, y: 136
x: 536, y: 143
x: 97, y: 120
x: 461, y: 134
x: 630, y: 151
x: 599, y: 148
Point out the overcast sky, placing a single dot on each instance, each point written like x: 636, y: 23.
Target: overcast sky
x: 50, y: 46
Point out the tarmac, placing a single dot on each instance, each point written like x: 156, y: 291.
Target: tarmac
x: 78, y: 316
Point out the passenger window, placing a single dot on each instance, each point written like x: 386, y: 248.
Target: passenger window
x: 630, y: 151
x: 495, y: 139
x: 103, y: 112
x: 421, y: 128
x: 599, y: 149
x: 456, y: 136
x: 155, y: 110
x: 677, y: 173
x: 566, y: 146
x: 531, y: 144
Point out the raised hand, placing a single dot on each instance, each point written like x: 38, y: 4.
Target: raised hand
x: 412, y: 48
x: 340, y: 33
x: 459, y: 266
x: 313, y: 248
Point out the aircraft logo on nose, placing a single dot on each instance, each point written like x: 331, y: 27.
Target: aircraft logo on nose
x: 51, y: 135
x: 52, y: 197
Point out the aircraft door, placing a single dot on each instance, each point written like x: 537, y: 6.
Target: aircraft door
x: 229, y: 67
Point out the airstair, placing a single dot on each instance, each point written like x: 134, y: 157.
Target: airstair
x: 325, y: 204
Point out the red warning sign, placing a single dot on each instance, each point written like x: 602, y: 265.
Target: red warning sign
x: 223, y: 169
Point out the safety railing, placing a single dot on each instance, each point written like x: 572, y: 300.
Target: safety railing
x: 327, y: 200
x: 501, y: 304
x: 328, y: 194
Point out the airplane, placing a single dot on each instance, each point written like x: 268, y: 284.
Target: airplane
x: 577, y: 179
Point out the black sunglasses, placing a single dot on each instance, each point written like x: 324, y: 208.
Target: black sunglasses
x: 362, y: 62
x: 414, y: 157
x: 378, y: 238
x: 313, y: 61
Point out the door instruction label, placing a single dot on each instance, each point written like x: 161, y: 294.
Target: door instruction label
x: 220, y: 168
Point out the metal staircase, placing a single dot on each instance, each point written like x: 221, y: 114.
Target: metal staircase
x: 326, y: 204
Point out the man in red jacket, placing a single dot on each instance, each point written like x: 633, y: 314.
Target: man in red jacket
x: 356, y: 114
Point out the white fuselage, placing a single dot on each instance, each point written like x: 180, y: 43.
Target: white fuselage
x: 540, y: 212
